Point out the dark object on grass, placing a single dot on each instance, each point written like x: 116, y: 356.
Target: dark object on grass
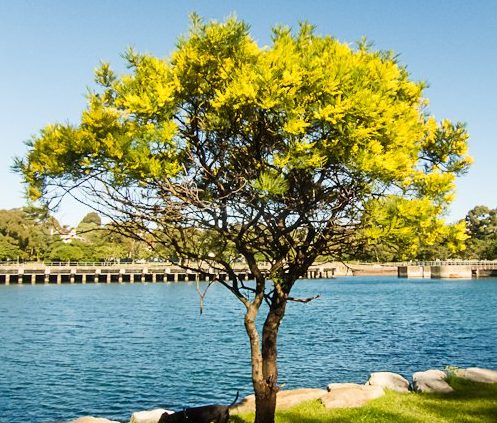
x: 204, y: 414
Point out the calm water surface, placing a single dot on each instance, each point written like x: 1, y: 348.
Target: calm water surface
x: 109, y: 350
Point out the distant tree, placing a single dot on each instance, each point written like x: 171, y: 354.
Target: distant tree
x: 90, y: 231
x: 279, y: 154
x: 9, y: 249
x: 110, y: 252
x: 92, y: 218
x: 481, y: 222
x: 26, y: 233
x: 66, y: 252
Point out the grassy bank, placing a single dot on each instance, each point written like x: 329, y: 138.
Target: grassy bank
x: 471, y: 402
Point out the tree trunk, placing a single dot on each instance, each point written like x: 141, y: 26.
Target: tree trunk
x: 265, y: 405
x: 264, y: 362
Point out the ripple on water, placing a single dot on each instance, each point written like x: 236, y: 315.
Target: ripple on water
x: 107, y: 350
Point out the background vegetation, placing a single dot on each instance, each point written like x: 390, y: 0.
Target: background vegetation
x: 32, y: 234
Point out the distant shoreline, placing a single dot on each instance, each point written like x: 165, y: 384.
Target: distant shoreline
x: 83, y: 273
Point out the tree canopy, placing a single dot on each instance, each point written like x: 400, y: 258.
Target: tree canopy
x: 25, y: 233
x: 481, y: 222
x: 281, y: 153
x: 306, y: 118
x: 92, y: 218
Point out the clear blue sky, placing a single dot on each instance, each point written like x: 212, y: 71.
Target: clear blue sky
x: 49, y: 49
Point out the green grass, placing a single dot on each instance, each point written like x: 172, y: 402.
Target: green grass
x: 470, y: 403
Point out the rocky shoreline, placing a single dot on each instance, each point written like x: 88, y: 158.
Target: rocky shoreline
x: 341, y: 395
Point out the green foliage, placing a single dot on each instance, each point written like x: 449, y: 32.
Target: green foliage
x: 94, y: 243
x: 399, y: 229
x: 33, y: 234
x: 481, y: 222
x: 92, y: 218
x: 66, y: 252
x: 10, y: 249
x: 26, y: 233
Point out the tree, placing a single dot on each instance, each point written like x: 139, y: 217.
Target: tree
x: 26, y: 233
x: 278, y: 154
x: 9, y: 249
x: 92, y: 218
x: 66, y: 252
x: 481, y: 222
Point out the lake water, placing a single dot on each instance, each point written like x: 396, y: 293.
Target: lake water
x: 109, y: 350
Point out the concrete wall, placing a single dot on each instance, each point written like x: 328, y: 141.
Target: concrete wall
x: 451, y: 272
x: 414, y: 272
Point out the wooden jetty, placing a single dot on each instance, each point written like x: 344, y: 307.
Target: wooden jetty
x: 83, y: 273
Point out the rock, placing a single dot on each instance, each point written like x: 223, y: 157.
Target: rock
x: 148, y: 416
x: 90, y: 419
x: 284, y: 399
x: 389, y: 380
x: 475, y: 374
x: 431, y: 381
x: 350, y: 395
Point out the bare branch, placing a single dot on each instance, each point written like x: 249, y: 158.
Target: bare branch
x: 202, y: 294
x: 303, y: 300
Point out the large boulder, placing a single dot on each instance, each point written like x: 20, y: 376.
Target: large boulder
x: 389, y: 380
x: 284, y: 399
x: 475, y: 374
x: 350, y: 395
x: 148, y: 416
x: 431, y: 381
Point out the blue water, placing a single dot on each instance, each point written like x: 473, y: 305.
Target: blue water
x: 109, y: 350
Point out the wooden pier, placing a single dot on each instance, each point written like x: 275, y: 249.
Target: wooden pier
x: 81, y: 273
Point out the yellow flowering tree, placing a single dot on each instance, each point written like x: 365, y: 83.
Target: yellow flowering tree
x: 227, y: 150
